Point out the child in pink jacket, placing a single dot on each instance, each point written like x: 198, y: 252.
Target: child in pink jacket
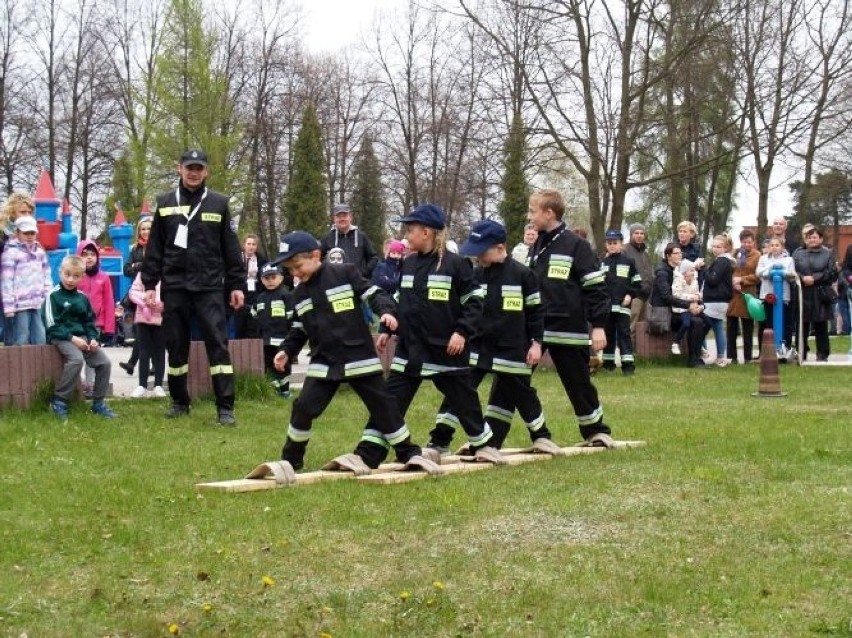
x: 149, y: 335
x: 97, y: 287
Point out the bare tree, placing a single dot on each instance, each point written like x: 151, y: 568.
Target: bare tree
x: 775, y: 81
x: 15, y: 122
x: 828, y: 24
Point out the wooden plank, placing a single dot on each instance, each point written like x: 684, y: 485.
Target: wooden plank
x: 305, y: 478
x: 386, y: 478
x: 457, y: 467
x: 619, y: 445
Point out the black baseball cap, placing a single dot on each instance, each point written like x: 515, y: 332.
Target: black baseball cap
x: 193, y: 157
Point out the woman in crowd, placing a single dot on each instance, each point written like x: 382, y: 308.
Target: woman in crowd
x: 815, y: 265
x: 661, y: 295
x: 132, y: 267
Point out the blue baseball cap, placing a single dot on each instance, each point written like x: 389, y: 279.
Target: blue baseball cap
x: 483, y: 235
x: 293, y: 244
x: 614, y: 235
x: 426, y: 214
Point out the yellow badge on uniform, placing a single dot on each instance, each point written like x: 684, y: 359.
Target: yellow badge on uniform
x: 342, y: 305
x: 211, y: 217
x: 513, y: 304
x: 439, y: 294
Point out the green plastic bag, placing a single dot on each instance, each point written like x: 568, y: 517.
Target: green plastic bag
x: 755, y: 307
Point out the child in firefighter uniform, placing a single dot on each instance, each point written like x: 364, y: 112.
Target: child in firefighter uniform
x: 508, y: 342
x: 623, y: 283
x: 573, y: 291
x: 327, y: 312
x: 270, y: 311
x: 439, y: 310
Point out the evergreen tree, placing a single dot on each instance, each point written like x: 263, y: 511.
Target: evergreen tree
x: 305, y: 202
x: 516, y: 189
x: 194, y: 106
x: 368, y: 203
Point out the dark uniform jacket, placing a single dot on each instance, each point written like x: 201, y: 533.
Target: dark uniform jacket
x: 435, y: 302
x: 327, y: 311
x: 355, y: 245
x: 572, y: 287
x: 513, y: 317
x: 622, y: 279
x: 211, y: 260
x: 273, y: 312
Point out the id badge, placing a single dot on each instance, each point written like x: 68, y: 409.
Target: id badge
x: 251, y: 284
x: 181, y: 236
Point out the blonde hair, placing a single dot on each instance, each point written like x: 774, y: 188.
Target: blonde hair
x: 549, y: 198
x: 12, y: 202
x: 144, y: 220
x: 72, y: 263
x: 726, y: 242
x: 688, y: 225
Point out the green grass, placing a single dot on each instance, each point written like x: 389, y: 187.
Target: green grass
x: 733, y: 521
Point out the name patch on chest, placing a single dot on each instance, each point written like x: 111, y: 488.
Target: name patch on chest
x: 211, y: 217
x: 342, y: 305
x: 439, y: 294
x: 559, y: 267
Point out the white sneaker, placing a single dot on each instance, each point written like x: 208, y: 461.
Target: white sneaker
x: 139, y: 392
x: 675, y: 348
x: 159, y: 392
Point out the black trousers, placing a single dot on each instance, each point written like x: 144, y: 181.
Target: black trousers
x: 748, y: 338
x: 618, y: 334
x: 698, y: 329
x: 823, y: 345
x: 208, y: 310
x: 387, y: 425
x: 461, y: 397
x: 152, y: 350
x: 508, y: 391
x: 572, y: 366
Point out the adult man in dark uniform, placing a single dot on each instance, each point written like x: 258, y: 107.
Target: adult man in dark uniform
x: 352, y: 240
x: 193, y: 252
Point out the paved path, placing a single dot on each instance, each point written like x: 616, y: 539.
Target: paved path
x: 123, y: 384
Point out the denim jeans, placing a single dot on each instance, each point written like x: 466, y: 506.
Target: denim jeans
x: 718, y: 327
x: 27, y: 328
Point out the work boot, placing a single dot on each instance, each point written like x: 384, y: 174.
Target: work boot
x: 177, y: 410
x: 225, y: 416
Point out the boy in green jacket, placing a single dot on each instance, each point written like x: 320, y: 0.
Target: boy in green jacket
x: 70, y: 324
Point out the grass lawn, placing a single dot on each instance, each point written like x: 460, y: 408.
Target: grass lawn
x: 735, y: 520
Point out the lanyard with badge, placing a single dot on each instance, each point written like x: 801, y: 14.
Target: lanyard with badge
x: 535, y: 257
x: 182, y: 233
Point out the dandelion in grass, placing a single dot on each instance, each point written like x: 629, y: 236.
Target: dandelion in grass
x: 403, y: 596
x: 207, y: 608
x: 174, y: 630
x: 438, y: 585
x: 268, y: 581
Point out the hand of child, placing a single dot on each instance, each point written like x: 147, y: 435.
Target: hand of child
x: 534, y: 354
x: 94, y: 345
x: 382, y: 342
x: 80, y: 343
x: 280, y: 361
x: 150, y: 297
x: 455, y: 345
x: 626, y: 301
x: 389, y: 321
x: 598, y: 339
